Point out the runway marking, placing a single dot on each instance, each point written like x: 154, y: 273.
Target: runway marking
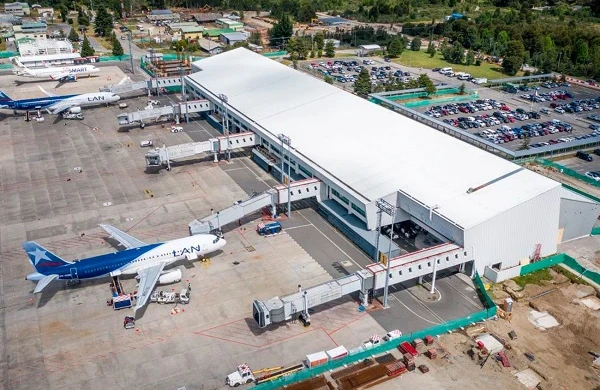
x: 234, y: 169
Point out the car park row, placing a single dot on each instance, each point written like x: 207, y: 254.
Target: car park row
x: 347, y: 71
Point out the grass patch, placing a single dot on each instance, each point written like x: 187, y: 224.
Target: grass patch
x: 3, y: 46
x: 533, y: 278
x: 420, y: 59
x: 570, y: 275
x: 106, y: 43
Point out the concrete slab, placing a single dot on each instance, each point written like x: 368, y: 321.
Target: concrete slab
x: 528, y: 378
x: 542, y: 320
x: 591, y: 303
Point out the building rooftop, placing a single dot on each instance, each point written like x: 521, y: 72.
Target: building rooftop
x: 370, y: 47
x: 191, y: 29
x: 161, y: 12
x: 207, y: 44
x: 207, y: 17
x: 373, y: 151
x: 215, y: 32
x: 235, y: 36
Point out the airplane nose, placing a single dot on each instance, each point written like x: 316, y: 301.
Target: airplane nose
x: 116, y: 98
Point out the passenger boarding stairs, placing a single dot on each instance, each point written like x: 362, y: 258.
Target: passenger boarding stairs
x: 371, y: 279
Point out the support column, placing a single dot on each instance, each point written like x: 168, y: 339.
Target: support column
x: 433, y: 278
x: 420, y: 279
x: 365, y: 298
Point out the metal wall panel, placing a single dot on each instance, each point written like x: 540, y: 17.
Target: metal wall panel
x: 511, y: 237
x: 577, y: 218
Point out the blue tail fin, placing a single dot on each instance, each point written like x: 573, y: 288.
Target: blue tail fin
x: 4, y: 97
x: 42, y: 259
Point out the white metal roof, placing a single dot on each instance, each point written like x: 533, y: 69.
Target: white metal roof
x: 372, y: 150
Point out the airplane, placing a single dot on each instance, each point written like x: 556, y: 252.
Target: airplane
x: 62, y: 74
x: 57, y: 104
x: 145, y: 260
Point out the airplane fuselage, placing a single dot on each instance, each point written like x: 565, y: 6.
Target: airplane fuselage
x: 84, y: 100
x: 51, y: 73
x: 129, y: 261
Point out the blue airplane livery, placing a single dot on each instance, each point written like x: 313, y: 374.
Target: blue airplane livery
x: 145, y: 260
x: 56, y: 104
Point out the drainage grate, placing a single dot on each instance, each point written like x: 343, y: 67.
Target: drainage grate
x: 250, y: 248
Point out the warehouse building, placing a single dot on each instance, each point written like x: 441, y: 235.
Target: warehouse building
x: 17, y: 9
x: 502, y: 215
x: 162, y: 15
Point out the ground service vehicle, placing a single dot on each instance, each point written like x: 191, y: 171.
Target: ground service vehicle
x: 245, y: 375
x: 68, y: 115
x: 267, y: 229
x: 394, y: 334
x: 129, y: 322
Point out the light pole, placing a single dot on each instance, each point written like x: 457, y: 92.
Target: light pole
x: 130, y: 53
x: 287, y: 141
x: 385, y: 207
x: 224, y: 101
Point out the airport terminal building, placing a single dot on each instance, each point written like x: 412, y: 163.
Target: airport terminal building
x: 500, y: 214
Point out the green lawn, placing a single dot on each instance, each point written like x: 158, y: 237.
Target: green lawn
x: 3, y: 46
x: 533, y: 278
x: 420, y: 59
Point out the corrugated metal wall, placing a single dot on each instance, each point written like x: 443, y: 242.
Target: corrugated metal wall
x: 577, y: 218
x: 512, y: 236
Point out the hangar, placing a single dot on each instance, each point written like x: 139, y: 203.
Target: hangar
x: 501, y: 214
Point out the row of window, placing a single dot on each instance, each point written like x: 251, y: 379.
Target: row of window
x: 300, y: 190
x: 305, y: 171
x: 237, y: 141
x: 339, y: 196
x: 420, y: 266
x: 359, y: 210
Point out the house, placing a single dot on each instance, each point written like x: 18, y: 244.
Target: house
x: 191, y: 32
x: 255, y: 48
x: 162, y: 15
x: 46, y: 12
x: 368, y: 49
x: 171, y: 28
x: 232, y: 17
x: 208, y: 17
x: 228, y: 23
x: 209, y: 46
x: 31, y: 30
x: 17, y: 9
x: 233, y: 37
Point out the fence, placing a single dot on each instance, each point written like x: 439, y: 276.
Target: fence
x: 307, y: 373
x: 7, y: 54
x: 124, y: 57
x: 561, y: 258
x: 567, y: 171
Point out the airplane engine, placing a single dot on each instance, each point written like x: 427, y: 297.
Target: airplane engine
x: 74, y: 110
x: 170, y: 277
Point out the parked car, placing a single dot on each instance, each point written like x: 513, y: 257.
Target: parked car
x: 146, y: 143
x: 584, y: 156
x: 593, y: 175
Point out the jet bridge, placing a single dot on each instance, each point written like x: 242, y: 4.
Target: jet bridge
x: 156, y: 113
x: 125, y: 87
x: 163, y: 156
x: 155, y: 84
x: 367, y: 281
x: 299, y: 189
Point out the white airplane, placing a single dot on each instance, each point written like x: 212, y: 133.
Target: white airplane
x: 57, y: 104
x: 145, y: 260
x: 62, y: 74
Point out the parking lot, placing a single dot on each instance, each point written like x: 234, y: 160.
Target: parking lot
x: 345, y: 71
x: 583, y: 166
x: 510, y: 118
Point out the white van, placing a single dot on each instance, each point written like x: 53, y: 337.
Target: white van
x: 140, y: 27
x: 445, y: 70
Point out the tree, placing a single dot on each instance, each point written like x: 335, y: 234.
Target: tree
x: 103, y: 23
x: 513, y: 59
x: 426, y: 83
x: 282, y: 30
x: 455, y: 53
x: 255, y: 38
x: 396, y: 46
x: 431, y: 50
x: 461, y: 89
x: 525, y: 144
x: 415, y: 45
x: 86, y: 49
x: 328, y: 79
x: 319, y: 40
x: 73, y: 36
x: 297, y: 48
x: 362, y: 86
x: 117, y: 49
x: 330, y: 49
x: 320, y: 53
x: 470, y: 58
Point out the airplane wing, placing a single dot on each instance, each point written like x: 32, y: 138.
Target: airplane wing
x: 127, y: 240
x: 46, y: 92
x: 148, y: 278
x: 59, y: 107
x: 44, y: 282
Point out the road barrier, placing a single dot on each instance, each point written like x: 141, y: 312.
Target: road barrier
x: 307, y: 373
